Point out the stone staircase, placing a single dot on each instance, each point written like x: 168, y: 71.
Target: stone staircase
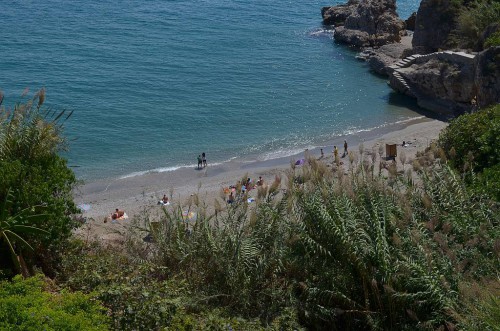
x: 397, y: 80
x: 399, y: 83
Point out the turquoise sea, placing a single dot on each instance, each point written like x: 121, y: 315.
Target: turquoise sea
x: 153, y: 83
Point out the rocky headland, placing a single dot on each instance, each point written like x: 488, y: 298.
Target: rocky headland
x: 421, y: 63
x: 365, y: 23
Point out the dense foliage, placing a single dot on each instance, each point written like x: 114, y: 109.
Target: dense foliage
x: 472, y: 142
x: 369, y: 250
x: 35, y: 180
x: 474, y: 19
x: 493, y: 40
x: 27, y: 305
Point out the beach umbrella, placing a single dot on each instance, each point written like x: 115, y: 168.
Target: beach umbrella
x: 300, y: 162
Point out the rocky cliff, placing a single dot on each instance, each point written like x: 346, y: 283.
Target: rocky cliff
x: 365, y: 23
x: 337, y: 15
x: 449, y: 82
x: 442, y: 82
x: 487, y: 77
x: 434, y: 22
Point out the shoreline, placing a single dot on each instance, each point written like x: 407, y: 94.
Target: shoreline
x: 138, y: 193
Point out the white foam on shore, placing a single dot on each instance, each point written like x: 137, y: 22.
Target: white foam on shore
x: 174, y: 168
x: 322, y: 32
x: 282, y: 153
x: 277, y: 154
x: 355, y: 131
x: 141, y: 173
x: 167, y: 169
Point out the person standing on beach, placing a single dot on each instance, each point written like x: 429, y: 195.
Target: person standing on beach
x: 199, y: 162
x: 345, y: 148
x: 335, y: 152
x: 322, y: 153
x: 204, y: 159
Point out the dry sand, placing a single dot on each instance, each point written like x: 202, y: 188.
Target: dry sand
x: 139, y: 193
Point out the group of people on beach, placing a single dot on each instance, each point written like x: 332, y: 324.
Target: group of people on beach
x: 202, y: 160
x: 336, y: 151
x: 246, y: 185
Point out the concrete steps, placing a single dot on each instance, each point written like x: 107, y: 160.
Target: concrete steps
x: 399, y: 83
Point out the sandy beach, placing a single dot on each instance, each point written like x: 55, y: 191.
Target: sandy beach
x: 138, y: 193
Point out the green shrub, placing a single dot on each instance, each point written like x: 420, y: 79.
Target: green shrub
x: 376, y: 257
x: 36, y: 176
x: 142, y: 295
x: 473, y: 139
x: 493, y: 40
x: 25, y: 305
x: 472, y: 142
x: 488, y: 182
x: 474, y: 18
x: 481, y: 304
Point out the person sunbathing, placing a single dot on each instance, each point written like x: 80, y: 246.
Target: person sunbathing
x: 117, y: 214
x: 165, y: 199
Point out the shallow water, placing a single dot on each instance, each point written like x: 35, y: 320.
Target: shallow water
x: 155, y: 83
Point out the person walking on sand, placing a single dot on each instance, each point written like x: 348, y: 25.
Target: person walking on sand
x: 199, y: 162
x: 322, y: 153
x: 260, y: 182
x: 204, y: 159
x: 345, y: 148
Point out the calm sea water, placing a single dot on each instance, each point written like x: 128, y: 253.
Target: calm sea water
x: 155, y: 83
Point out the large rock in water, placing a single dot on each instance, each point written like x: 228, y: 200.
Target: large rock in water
x: 338, y: 14
x: 434, y: 22
x: 365, y: 23
x: 488, y: 77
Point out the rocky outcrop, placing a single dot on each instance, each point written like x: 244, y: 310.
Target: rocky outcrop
x: 410, y: 22
x: 380, y: 59
x: 487, y: 77
x: 338, y: 14
x: 449, y: 82
x: 434, y: 22
x: 443, y: 81
x: 365, y: 23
